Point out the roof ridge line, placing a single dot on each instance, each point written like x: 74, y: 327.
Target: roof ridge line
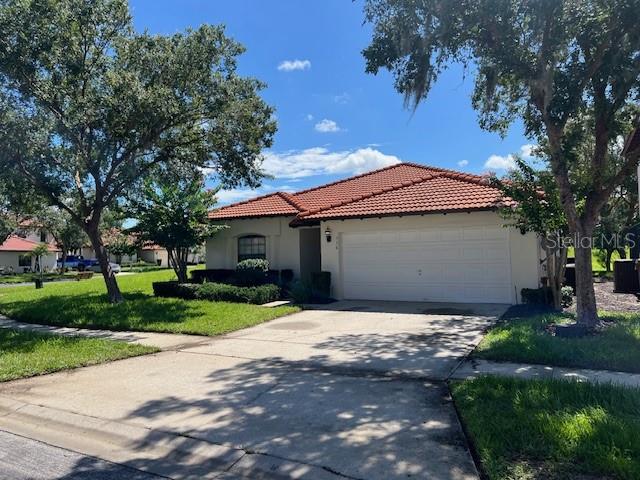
x: 289, y: 198
x: 456, y: 175
x: 396, y: 186
x: 365, y: 174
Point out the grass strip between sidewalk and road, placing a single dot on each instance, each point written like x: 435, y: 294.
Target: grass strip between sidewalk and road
x: 551, y: 429
x: 525, y: 340
x: 25, y: 353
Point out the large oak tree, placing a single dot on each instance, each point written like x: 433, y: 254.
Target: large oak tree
x: 88, y: 106
x: 549, y: 63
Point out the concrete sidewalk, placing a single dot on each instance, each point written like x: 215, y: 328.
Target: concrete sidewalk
x: 163, y: 341
x: 474, y: 368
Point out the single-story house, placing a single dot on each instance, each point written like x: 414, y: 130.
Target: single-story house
x: 15, y: 255
x: 159, y: 255
x: 406, y: 232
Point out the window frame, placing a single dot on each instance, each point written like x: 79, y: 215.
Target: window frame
x: 257, y: 242
x: 23, y: 258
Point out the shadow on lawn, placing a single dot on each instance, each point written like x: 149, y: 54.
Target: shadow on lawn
x: 94, y: 311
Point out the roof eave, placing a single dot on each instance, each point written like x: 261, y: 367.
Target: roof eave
x: 303, y: 221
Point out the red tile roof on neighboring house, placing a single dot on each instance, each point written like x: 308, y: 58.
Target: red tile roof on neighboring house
x: 403, y: 189
x: 18, y: 244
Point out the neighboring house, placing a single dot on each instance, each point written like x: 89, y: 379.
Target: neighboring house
x: 15, y: 255
x: 30, y: 230
x: 154, y: 254
x: 406, y: 232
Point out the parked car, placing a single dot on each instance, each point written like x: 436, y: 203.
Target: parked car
x: 76, y: 262
x: 115, y: 268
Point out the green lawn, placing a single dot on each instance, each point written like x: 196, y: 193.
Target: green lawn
x: 543, y: 429
x: 524, y: 340
x: 30, y: 277
x: 24, y: 354
x: 597, y: 264
x: 84, y: 304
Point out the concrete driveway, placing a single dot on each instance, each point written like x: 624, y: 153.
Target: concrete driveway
x: 352, y: 390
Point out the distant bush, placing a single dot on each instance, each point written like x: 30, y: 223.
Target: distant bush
x: 218, y: 292
x: 252, y: 272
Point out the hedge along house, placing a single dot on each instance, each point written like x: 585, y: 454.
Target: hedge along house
x: 406, y: 232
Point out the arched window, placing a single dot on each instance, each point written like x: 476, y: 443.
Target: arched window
x: 252, y: 246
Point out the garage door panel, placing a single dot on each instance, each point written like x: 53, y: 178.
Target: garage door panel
x: 456, y: 265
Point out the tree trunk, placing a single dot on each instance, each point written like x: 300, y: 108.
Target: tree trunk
x: 556, y: 258
x: 179, y: 266
x: 64, y: 259
x: 607, y: 260
x: 103, y: 260
x: 586, y: 310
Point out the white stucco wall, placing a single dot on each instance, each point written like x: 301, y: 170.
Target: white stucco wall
x: 10, y: 259
x: 282, y: 243
x: 523, y: 249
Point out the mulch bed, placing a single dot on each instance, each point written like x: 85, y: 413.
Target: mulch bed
x: 609, y: 301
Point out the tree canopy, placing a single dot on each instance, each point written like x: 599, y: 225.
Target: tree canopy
x: 89, y: 107
x: 173, y: 213
x: 568, y: 69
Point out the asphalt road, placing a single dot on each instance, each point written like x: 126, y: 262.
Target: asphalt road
x: 25, y: 459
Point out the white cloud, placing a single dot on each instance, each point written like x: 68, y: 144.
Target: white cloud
x: 309, y: 117
x: 320, y: 161
x: 463, y: 163
x: 526, y: 151
x: 297, y: 164
x: 508, y: 162
x: 327, y: 126
x: 234, y: 195
x: 292, y: 65
x: 497, y: 162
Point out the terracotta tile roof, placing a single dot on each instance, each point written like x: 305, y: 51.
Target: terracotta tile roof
x: 18, y: 244
x: 272, y: 205
x: 402, y: 189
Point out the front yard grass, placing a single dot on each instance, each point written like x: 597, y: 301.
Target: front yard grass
x: 25, y: 354
x: 525, y: 340
x: 528, y: 429
x: 84, y: 304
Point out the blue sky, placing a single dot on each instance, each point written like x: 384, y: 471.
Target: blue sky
x: 333, y: 119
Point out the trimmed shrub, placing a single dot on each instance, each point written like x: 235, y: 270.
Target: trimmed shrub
x: 544, y: 296
x: 174, y: 289
x: 567, y: 296
x: 252, y: 272
x: 223, y: 292
x: 217, y: 292
x: 537, y: 296
x: 212, y: 275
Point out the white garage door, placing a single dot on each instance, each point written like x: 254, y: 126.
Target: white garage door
x: 466, y: 264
